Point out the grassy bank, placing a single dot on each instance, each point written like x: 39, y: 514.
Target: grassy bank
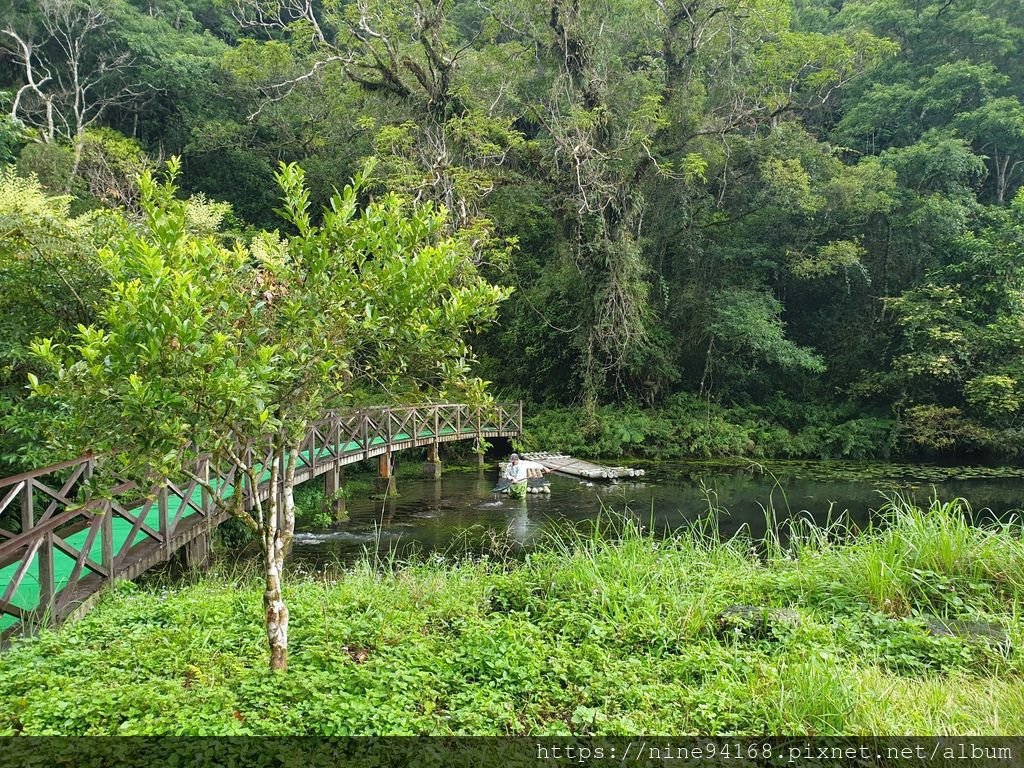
x: 602, y: 634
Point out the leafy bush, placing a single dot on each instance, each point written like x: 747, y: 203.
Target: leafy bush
x: 688, y: 426
x: 311, y: 506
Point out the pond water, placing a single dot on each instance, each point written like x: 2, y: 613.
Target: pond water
x: 459, y: 513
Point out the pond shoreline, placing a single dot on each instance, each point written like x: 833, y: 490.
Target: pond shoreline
x: 460, y: 514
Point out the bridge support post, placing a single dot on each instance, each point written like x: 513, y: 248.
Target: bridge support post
x: 385, y: 485
x: 197, y: 551
x: 432, y: 467
x: 165, y: 523
x: 333, y: 482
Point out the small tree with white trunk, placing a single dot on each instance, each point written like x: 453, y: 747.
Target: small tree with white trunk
x: 204, y: 346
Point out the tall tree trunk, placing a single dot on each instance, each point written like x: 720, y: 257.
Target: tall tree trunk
x: 276, y: 611
x: 606, y: 205
x: 79, y: 148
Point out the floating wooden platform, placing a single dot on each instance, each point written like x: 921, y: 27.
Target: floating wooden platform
x: 567, y: 465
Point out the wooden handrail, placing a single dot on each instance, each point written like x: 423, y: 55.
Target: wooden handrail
x: 419, y: 424
x: 328, y: 417
x: 32, y: 474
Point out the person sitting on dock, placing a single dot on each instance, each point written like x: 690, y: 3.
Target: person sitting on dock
x: 516, y: 474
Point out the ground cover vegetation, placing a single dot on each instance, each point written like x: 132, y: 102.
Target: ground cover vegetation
x: 607, y: 631
x: 758, y: 227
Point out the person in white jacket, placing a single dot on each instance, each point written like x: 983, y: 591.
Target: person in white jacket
x: 515, y: 473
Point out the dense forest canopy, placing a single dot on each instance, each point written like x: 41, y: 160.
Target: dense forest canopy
x: 804, y: 212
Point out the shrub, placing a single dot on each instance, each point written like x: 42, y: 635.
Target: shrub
x: 690, y: 426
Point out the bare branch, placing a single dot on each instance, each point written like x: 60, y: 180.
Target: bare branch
x: 282, y: 90
x: 71, y: 86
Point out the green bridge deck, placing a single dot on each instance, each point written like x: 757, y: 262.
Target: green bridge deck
x: 26, y: 596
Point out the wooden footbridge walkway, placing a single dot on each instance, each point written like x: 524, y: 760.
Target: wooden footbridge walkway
x: 62, y: 552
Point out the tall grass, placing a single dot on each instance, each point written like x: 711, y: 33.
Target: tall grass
x: 917, y: 553
x: 606, y: 629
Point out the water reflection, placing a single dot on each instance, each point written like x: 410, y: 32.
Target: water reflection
x: 459, y: 513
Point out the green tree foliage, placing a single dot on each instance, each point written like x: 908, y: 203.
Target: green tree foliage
x: 50, y: 282
x: 753, y: 201
x: 960, y: 360
x: 234, y: 349
x: 13, y: 135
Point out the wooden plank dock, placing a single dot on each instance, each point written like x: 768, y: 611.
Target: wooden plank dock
x: 567, y: 465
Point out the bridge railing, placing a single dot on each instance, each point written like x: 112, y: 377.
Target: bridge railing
x: 58, y: 548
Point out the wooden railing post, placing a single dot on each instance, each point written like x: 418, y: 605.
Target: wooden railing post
x: 312, y: 449
x: 47, y: 585
x: 164, y: 522
x: 366, y: 433
x: 333, y: 475
x: 519, y: 425
x: 107, y: 540
x: 90, y: 466
x: 44, y: 556
x: 27, y: 512
x: 437, y: 421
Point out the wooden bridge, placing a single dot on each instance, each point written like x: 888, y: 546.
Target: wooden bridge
x: 63, y: 551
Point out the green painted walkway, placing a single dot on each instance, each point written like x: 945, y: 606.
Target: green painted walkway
x: 26, y: 596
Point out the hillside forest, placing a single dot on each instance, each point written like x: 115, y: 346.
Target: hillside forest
x: 722, y: 227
